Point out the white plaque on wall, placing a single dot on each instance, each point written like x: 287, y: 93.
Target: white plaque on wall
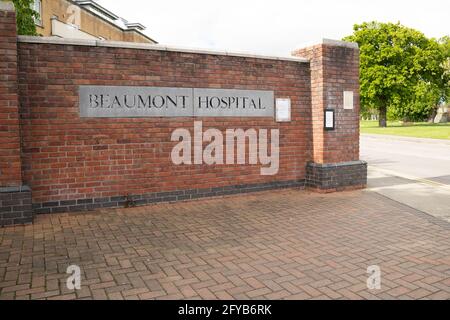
x: 348, y: 100
x: 283, y: 109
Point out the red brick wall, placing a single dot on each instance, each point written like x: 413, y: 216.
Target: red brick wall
x: 67, y: 157
x: 317, y: 99
x: 10, y: 171
x: 334, y: 69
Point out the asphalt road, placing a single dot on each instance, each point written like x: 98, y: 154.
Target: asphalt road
x: 422, y: 158
x: 415, y: 172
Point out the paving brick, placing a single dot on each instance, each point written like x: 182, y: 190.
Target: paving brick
x: 115, y: 296
x: 258, y: 292
x: 248, y: 253
x: 419, y: 293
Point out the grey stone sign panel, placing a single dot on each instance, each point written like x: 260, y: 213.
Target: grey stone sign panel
x: 233, y: 103
x: 123, y: 102
x: 127, y: 102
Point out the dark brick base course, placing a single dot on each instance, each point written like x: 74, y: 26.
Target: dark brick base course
x: 140, y: 200
x: 15, y: 206
x: 336, y: 176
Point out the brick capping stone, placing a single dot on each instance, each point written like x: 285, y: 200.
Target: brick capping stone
x: 328, y: 42
x: 15, y: 206
x: 147, y: 46
x: 336, y: 176
x: 7, y: 6
x: 157, y: 197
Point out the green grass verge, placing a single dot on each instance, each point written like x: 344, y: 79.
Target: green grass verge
x: 417, y: 129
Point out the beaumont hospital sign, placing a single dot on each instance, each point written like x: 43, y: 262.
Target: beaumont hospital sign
x: 123, y: 101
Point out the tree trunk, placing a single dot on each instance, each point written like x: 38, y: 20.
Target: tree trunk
x: 433, y: 113
x: 382, y: 117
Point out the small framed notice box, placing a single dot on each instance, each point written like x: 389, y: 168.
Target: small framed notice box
x: 329, y: 120
x: 283, y: 109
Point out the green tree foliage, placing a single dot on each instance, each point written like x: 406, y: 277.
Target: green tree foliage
x: 429, y: 93
x: 396, y: 63
x: 25, y: 16
x: 426, y: 100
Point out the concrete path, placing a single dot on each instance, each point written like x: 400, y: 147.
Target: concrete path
x: 412, y: 171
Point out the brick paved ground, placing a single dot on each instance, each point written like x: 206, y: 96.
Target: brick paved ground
x: 285, y: 244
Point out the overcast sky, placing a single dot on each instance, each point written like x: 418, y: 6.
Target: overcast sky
x: 274, y: 27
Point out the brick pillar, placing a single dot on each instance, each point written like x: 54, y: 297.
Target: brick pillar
x: 15, y: 198
x: 335, y: 163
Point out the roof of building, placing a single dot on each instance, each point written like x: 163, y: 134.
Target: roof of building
x: 96, y: 8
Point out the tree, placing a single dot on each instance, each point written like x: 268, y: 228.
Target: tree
x: 432, y: 91
x: 393, y: 60
x: 25, y: 16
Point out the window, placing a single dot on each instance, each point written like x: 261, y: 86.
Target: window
x: 37, y: 6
